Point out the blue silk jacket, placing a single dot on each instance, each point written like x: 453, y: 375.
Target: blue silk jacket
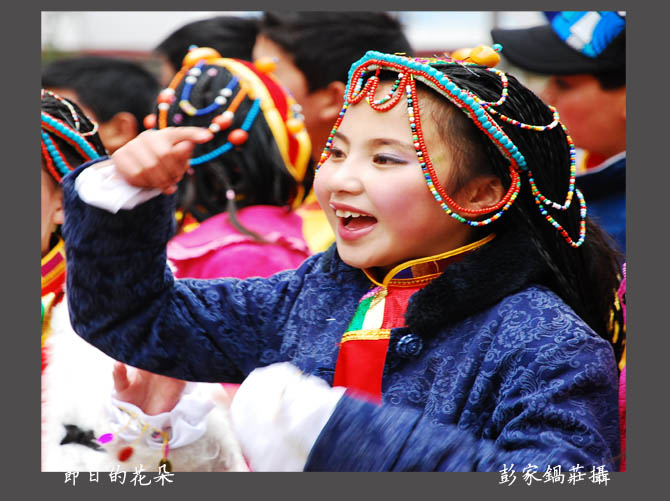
x: 491, y: 369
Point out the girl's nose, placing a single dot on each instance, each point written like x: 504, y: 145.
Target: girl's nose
x: 344, y: 176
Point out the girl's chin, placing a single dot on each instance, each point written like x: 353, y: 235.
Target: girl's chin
x: 355, y: 259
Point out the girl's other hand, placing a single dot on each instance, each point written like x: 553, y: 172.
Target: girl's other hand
x: 152, y: 393
x: 159, y: 158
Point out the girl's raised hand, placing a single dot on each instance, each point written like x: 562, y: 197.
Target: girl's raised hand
x: 159, y: 158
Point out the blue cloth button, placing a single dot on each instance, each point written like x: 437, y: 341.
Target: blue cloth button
x: 409, y: 345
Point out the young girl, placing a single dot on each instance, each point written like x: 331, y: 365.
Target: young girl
x: 77, y: 378
x: 235, y: 216
x: 467, y: 293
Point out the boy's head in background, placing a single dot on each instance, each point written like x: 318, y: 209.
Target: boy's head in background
x: 314, y: 51
x: 115, y: 93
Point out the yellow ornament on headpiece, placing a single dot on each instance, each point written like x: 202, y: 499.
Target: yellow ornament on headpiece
x: 196, y: 54
x: 482, y: 54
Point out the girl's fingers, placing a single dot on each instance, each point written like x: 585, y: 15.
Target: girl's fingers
x: 176, y: 164
x: 195, y: 134
x: 182, y: 154
x: 120, y: 376
x: 159, y: 158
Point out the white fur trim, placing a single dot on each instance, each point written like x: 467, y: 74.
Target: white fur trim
x: 278, y: 413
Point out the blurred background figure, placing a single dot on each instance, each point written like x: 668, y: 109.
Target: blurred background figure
x: 231, y: 36
x: 313, y: 53
x: 583, y: 54
x: 78, y: 386
x: 235, y: 207
x: 115, y: 93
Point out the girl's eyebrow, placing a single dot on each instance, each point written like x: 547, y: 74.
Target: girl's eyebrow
x: 341, y: 137
x: 379, y: 141
x: 384, y: 141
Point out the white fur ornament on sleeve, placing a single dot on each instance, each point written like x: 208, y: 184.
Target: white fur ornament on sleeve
x: 278, y: 413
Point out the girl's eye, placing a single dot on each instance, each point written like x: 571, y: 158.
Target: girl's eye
x: 386, y: 159
x: 336, y: 153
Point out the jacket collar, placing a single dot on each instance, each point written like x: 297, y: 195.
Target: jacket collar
x: 507, y: 264
x: 424, y: 270
x: 486, y: 275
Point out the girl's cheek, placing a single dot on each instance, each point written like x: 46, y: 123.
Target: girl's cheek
x: 401, y: 202
x: 320, y: 187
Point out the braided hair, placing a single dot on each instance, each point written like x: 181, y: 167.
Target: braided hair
x: 254, y: 173
x: 69, y: 137
x: 585, y: 277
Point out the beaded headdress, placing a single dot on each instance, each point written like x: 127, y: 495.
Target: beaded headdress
x: 52, y: 127
x: 250, y: 80
x: 480, y: 112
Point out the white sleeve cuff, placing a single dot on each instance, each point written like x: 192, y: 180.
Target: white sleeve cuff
x: 101, y: 186
x: 278, y: 413
x: 186, y: 422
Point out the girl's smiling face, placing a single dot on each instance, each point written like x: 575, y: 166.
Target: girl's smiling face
x: 374, y: 194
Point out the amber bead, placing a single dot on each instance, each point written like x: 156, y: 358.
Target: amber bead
x: 238, y: 137
x: 484, y: 55
x: 461, y: 54
x: 149, y: 121
x: 294, y: 125
x: 223, y: 121
x: 265, y: 64
x: 195, y: 55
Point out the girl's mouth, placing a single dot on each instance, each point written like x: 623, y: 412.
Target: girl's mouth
x: 353, y: 225
x: 355, y: 220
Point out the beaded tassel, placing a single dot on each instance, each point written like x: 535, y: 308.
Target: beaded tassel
x: 126, y: 452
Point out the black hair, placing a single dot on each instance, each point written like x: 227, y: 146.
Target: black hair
x: 105, y: 85
x: 231, y: 36
x: 586, y: 278
x: 325, y: 44
x: 254, y: 171
x: 59, y: 110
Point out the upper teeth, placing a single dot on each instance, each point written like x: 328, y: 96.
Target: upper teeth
x: 346, y: 213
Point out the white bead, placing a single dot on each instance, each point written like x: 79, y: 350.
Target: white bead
x: 220, y: 100
x: 214, y: 128
x: 163, y: 106
x: 191, y: 79
x: 226, y: 92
